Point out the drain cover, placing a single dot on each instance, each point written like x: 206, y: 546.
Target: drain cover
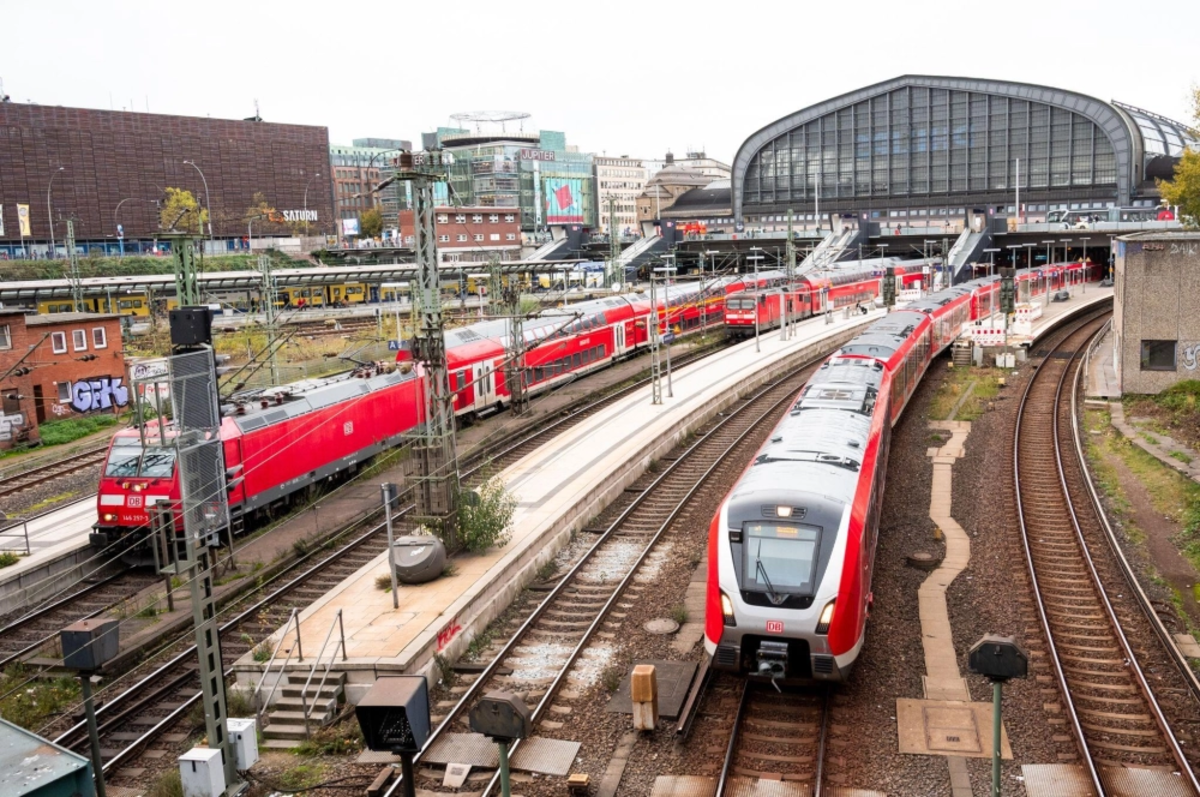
x: 661, y: 625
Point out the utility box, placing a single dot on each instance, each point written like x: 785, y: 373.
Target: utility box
x: 501, y: 716
x: 418, y: 558
x: 243, y: 734
x: 88, y: 644
x: 394, y: 714
x: 202, y: 773
x: 999, y: 658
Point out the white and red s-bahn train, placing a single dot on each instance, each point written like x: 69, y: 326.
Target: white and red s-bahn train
x: 283, y: 440
x: 791, y: 549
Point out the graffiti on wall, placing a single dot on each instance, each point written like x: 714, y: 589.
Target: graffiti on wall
x: 1191, y: 355
x: 10, y: 422
x: 99, y: 393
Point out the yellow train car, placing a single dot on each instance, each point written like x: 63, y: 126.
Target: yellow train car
x: 136, y: 304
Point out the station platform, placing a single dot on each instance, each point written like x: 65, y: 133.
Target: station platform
x: 58, y: 553
x: 558, y: 488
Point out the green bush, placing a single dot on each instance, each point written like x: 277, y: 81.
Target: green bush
x: 487, y: 522
x: 56, y: 433
x: 34, y: 703
x: 1180, y: 396
x: 168, y: 784
x: 8, y: 558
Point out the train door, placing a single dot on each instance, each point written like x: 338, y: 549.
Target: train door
x: 618, y: 339
x: 484, y: 385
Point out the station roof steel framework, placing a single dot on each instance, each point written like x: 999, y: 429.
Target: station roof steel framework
x: 45, y: 289
x: 930, y: 140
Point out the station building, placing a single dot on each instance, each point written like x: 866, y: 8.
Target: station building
x: 1156, y: 310
x: 107, y: 169
x: 917, y: 147
x: 58, y: 365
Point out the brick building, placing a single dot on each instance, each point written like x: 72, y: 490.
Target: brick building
x: 1156, y: 310
x: 471, y: 233
x: 58, y: 366
x: 108, y: 167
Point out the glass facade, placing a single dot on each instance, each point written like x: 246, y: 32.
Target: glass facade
x: 928, y: 143
x: 496, y: 175
x: 1160, y: 136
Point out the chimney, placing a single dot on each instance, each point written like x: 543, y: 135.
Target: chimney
x: 670, y: 157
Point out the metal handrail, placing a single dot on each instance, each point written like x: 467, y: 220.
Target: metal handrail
x: 23, y: 524
x: 328, y: 667
x: 260, y: 707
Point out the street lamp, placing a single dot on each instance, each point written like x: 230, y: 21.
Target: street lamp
x: 703, y: 297
x: 992, y: 262
x: 49, y: 209
x: 116, y: 223
x: 207, y: 196
x: 306, y: 185
x: 666, y: 271
x: 755, y: 258
x: 1084, y: 261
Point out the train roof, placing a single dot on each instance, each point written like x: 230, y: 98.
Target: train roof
x: 882, y: 338
x: 819, y: 445
x: 300, y: 402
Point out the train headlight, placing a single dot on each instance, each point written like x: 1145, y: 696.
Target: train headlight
x: 137, y: 488
x: 826, y: 618
x: 109, y: 517
x: 727, y: 610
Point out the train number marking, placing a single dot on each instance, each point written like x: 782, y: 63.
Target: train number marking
x: 774, y: 626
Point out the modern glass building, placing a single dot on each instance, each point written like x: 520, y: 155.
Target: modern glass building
x: 932, y: 145
x: 535, y: 173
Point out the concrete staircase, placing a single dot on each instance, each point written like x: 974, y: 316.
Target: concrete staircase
x: 285, y: 720
x: 960, y: 353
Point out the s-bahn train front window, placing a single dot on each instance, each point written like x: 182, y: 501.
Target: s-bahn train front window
x: 779, y: 559
x: 132, y: 459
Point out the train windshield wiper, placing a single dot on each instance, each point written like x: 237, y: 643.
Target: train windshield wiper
x: 760, y: 570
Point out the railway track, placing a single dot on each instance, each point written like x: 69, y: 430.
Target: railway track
x: 44, y: 473
x: 778, y: 742
x: 149, y: 713
x: 37, y: 631
x: 1099, y: 643
x: 560, y: 639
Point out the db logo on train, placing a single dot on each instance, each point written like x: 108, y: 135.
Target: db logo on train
x: 774, y: 626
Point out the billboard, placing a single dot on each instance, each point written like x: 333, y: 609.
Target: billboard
x: 349, y: 226
x: 564, y: 200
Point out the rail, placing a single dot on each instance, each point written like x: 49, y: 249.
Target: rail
x: 337, y: 621
x: 260, y: 706
x: 1132, y: 663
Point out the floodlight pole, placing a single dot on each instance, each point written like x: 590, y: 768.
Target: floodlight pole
x: 791, y: 275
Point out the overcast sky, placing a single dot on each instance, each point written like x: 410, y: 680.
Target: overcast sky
x: 619, y: 77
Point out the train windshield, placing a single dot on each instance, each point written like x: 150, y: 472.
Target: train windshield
x: 740, y: 304
x: 780, y: 558
x: 132, y: 459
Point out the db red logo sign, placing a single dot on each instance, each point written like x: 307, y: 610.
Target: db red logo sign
x: 774, y: 626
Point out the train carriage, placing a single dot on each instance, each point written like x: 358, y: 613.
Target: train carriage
x: 791, y: 549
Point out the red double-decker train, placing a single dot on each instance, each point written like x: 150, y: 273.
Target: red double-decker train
x: 855, y: 285
x: 284, y: 440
